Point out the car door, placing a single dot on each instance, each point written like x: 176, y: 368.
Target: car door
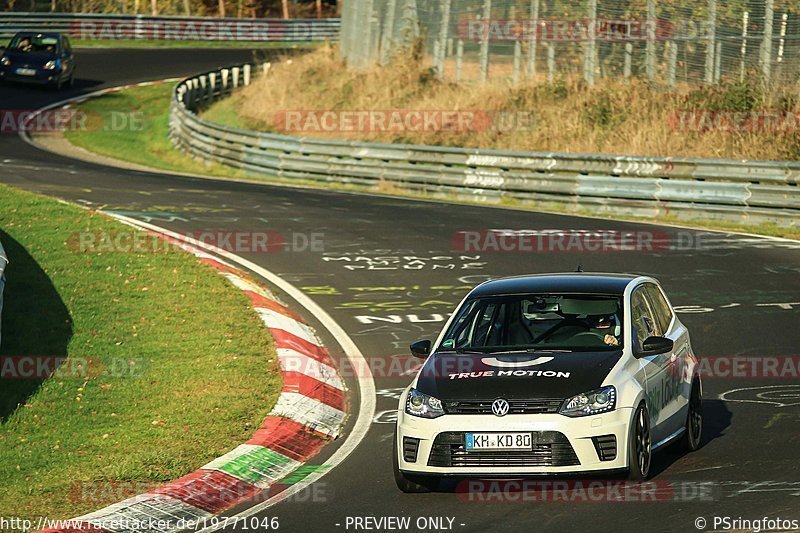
x: 677, y: 387
x: 67, y: 58
x: 645, y: 324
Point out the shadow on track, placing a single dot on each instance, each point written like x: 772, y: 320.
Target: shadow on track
x: 35, y: 323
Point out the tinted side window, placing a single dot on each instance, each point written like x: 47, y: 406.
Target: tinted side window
x: 660, y: 307
x: 644, y: 325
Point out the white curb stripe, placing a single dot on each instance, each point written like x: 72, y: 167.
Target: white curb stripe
x: 276, y: 320
x: 309, y: 412
x: 245, y: 285
x: 294, y: 361
x: 142, y: 509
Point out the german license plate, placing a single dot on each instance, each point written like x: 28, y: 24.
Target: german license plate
x: 26, y: 72
x: 498, y: 441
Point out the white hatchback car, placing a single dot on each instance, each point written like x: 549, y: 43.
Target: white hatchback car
x: 547, y: 375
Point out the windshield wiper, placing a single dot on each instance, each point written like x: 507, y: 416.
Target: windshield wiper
x: 462, y: 351
x: 535, y: 350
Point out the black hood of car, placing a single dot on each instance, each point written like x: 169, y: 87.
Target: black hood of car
x: 31, y: 59
x: 527, y: 376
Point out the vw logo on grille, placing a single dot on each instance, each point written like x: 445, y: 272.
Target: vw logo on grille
x: 500, y: 407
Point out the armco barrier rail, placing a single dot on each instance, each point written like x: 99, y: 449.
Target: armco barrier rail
x: 141, y: 27
x: 742, y: 191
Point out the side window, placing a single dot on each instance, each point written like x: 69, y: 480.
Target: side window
x: 660, y: 307
x: 67, y: 46
x: 644, y: 325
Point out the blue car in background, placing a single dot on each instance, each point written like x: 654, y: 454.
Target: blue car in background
x: 38, y: 58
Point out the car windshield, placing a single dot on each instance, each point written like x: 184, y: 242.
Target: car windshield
x: 33, y: 44
x: 522, y: 322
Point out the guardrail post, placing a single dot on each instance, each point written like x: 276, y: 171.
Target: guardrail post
x: 484, y: 56
x: 235, y: 76
x: 551, y: 62
x: 203, y: 92
x: 517, y: 59
x: 265, y: 68
x: 246, y: 69
x: 212, y: 81
x: 224, y: 74
x: 717, y: 61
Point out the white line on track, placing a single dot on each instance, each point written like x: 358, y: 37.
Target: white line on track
x: 365, y: 381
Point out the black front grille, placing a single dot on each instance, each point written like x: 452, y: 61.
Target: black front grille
x: 515, y: 407
x: 410, y: 447
x: 606, y: 447
x: 550, y: 448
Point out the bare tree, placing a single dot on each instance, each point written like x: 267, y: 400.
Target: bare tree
x: 187, y: 8
x: 319, y: 9
x: 154, y: 7
x: 135, y: 7
x: 285, y: 6
x: 221, y: 6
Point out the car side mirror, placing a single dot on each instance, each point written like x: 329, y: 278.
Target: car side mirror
x: 421, y: 349
x: 655, y: 346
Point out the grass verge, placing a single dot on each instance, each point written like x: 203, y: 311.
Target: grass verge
x: 167, y: 366
x: 151, y: 147
x: 133, y: 125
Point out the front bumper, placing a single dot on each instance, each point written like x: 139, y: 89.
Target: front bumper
x: 563, y: 431
x: 42, y: 77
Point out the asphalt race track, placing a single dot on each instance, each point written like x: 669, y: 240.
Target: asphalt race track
x: 394, y: 259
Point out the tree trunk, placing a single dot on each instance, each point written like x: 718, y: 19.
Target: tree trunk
x: 154, y: 7
x: 187, y: 8
x: 319, y: 9
x: 135, y: 7
x: 222, y: 8
x: 52, y: 6
x: 285, y: 6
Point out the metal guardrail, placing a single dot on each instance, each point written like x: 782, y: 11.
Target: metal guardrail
x: 143, y: 27
x: 742, y: 191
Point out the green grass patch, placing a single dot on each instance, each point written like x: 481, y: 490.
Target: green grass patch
x: 167, y: 366
x: 133, y: 125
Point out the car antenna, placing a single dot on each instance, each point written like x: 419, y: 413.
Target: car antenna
x: 579, y: 269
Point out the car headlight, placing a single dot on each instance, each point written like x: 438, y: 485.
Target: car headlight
x: 591, y: 403
x: 422, y: 405
x: 51, y: 65
x: 5, y: 61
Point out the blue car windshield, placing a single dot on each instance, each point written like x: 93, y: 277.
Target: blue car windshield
x: 570, y: 322
x: 34, y: 44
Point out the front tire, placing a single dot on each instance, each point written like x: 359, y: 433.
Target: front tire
x: 694, y: 419
x: 640, y: 452
x: 408, y: 483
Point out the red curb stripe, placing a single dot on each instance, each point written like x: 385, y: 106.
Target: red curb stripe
x: 288, y: 438
x: 209, y: 490
x: 267, y: 303
x: 308, y: 386
x: 284, y: 339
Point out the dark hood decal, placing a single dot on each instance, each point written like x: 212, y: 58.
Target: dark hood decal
x: 515, y: 376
